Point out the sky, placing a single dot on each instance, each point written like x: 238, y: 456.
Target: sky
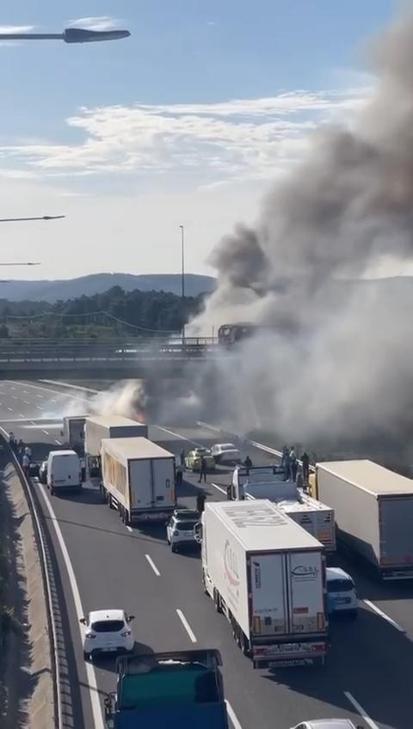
x: 187, y: 122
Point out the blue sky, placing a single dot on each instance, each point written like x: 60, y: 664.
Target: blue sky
x: 187, y: 121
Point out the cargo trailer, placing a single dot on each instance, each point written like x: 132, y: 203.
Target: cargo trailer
x: 98, y: 427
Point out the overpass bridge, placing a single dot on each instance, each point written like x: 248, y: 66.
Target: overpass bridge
x: 127, y: 358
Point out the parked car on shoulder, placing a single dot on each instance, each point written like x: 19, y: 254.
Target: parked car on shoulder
x: 180, y: 529
x: 107, y: 631
x: 193, y: 459
x: 226, y: 453
x: 43, y: 472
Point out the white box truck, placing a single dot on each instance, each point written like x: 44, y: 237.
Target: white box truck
x: 263, y: 482
x: 138, y: 479
x: 74, y: 432
x: 63, y: 471
x: 98, y: 427
x: 267, y: 575
x: 374, y: 513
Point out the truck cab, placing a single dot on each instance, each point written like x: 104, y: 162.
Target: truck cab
x: 177, y: 690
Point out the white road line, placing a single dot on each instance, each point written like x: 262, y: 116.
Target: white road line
x: 361, y: 711
x: 153, y: 565
x: 73, y: 387
x: 10, y: 409
x: 26, y: 402
x: 59, y: 442
x: 186, y: 625
x: 90, y: 671
x: 233, y: 717
x: 179, y: 436
x: 384, y: 615
x: 72, y: 396
x: 21, y: 415
x: 223, y: 491
x: 45, y: 431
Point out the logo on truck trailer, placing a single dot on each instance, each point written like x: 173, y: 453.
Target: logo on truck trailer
x: 305, y: 572
x: 231, y: 565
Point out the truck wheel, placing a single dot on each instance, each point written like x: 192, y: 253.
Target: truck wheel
x: 243, y: 643
x: 126, y: 517
x: 174, y: 548
x: 217, y: 601
x: 110, y: 502
x: 85, y: 656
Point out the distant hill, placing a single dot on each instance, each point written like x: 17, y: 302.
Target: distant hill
x: 97, y: 283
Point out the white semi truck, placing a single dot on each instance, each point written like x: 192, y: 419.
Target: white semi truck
x: 98, y: 427
x: 263, y: 482
x: 374, y: 513
x: 138, y: 479
x: 267, y: 575
x: 74, y: 432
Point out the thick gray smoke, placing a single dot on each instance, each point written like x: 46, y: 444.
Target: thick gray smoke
x: 336, y: 356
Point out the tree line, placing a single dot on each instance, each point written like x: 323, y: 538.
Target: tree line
x: 114, y: 313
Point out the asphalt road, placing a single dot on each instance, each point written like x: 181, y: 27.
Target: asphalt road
x: 369, y: 666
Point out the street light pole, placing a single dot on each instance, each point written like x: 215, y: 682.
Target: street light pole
x: 183, y: 275
x: 70, y: 35
x: 23, y: 220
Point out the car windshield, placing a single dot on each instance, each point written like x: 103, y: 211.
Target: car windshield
x: 185, y: 525
x: 227, y: 447
x: 340, y: 585
x: 108, y: 626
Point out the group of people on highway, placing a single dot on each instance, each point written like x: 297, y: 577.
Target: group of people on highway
x: 291, y: 466
x: 22, y: 451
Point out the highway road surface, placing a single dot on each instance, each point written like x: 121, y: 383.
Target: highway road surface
x: 102, y: 563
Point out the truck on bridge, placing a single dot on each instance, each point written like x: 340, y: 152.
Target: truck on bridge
x: 177, y: 690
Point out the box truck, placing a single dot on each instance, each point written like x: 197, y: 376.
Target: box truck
x: 263, y: 482
x: 138, y: 479
x: 374, y: 513
x: 98, y: 427
x: 74, y: 432
x: 267, y: 575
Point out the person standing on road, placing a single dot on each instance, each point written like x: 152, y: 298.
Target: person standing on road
x: 203, y: 470
x: 200, y: 502
x: 20, y: 450
x: 293, y: 464
x: 28, y: 452
x: 248, y: 462
x: 26, y: 465
x: 306, y: 467
x: 182, y: 458
x: 179, y: 475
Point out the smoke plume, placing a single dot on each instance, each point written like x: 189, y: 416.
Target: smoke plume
x: 334, y: 356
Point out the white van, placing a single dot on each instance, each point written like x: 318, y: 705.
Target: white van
x: 341, y: 592
x: 63, y: 471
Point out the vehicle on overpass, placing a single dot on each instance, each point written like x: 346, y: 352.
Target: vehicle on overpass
x: 64, y: 471
x: 231, y: 334
x: 178, y: 690
x: 374, y: 513
x: 268, y: 482
x: 107, y: 631
x: 138, y: 479
x: 98, y: 427
x: 327, y: 724
x: 193, y: 459
x: 226, y: 453
x: 267, y: 575
x: 180, y: 529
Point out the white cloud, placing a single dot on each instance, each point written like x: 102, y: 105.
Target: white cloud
x: 202, y: 143
x: 11, y: 29
x: 98, y: 22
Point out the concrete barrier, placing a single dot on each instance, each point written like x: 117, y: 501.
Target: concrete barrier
x: 38, y: 704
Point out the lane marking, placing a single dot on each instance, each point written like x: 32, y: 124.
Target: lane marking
x: 222, y: 490
x: 58, y: 441
x: 26, y: 402
x: 232, y: 715
x: 10, y: 409
x: 46, y: 432
x: 179, y: 436
x: 21, y: 415
x: 49, y: 389
x: 73, y: 387
x: 360, y: 710
x: 90, y: 671
x: 153, y: 565
x: 186, y: 625
x: 384, y: 615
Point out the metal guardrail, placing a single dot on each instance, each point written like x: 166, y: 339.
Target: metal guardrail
x: 41, y: 543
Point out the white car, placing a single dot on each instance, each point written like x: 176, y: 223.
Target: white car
x: 107, y: 631
x: 180, y: 529
x: 226, y: 453
x: 327, y: 724
x: 341, y: 592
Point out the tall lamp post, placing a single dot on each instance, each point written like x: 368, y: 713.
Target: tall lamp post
x: 24, y: 220
x: 69, y: 35
x: 182, y: 229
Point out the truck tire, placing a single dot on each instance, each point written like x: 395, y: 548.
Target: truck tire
x: 110, y: 502
x: 217, y: 601
x: 174, y: 548
x: 126, y: 517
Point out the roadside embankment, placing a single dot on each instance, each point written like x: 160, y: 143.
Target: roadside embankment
x: 27, y: 676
